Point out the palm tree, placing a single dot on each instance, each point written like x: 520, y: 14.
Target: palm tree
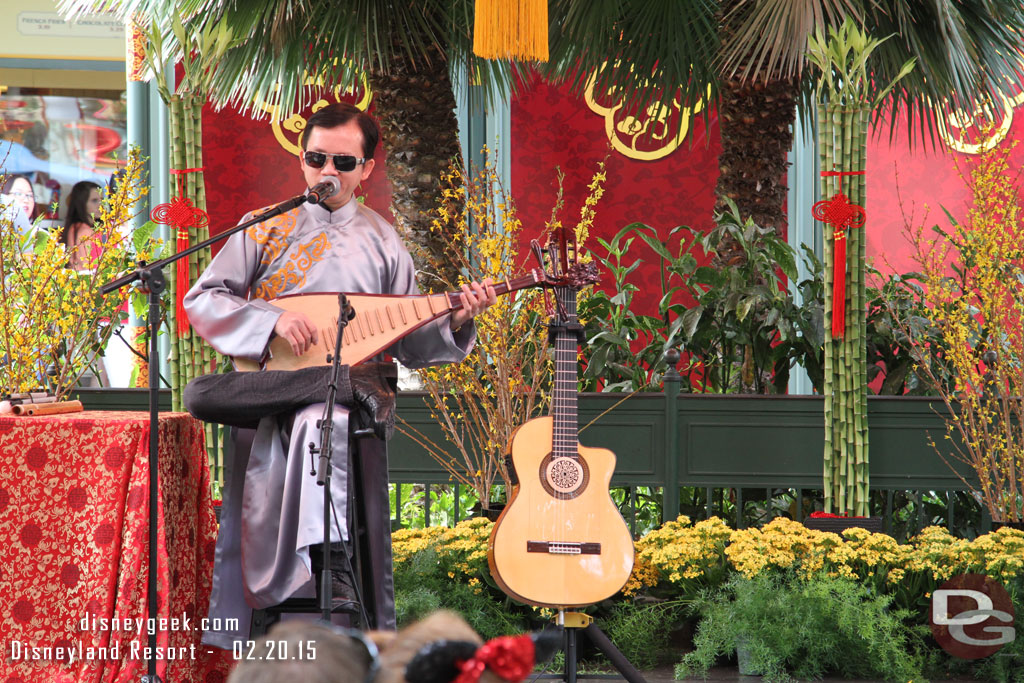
x: 752, y: 55
x: 746, y: 56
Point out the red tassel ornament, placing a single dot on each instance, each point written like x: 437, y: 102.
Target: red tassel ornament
x: 840, y: 215
x: 181, y: 215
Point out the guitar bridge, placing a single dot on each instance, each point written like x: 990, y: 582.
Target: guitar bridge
x: 563, y: 548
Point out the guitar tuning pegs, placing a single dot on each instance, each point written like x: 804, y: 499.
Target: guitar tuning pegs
x: 538, y: 253
x: 556, y: 264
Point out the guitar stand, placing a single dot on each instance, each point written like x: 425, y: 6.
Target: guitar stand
x: 576, y: 622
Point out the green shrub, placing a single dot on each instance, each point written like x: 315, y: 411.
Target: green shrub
x: 806, y: 628
x: 422, y: 587
x: 643, y: 632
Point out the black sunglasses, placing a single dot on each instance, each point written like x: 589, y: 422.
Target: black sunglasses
x: 342, y: 162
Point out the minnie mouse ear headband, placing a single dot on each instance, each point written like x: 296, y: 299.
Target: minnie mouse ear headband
x: 512, y: 658
x: 369, y: 647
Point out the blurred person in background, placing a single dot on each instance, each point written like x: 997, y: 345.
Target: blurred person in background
x: 441, y: 648
x: 83, y: 205
x: 19, y: 188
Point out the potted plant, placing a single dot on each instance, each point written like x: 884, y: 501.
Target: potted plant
x: 54, y: 322
x: 780, y: 625
x: 827, y: 521
x: 972, y: 276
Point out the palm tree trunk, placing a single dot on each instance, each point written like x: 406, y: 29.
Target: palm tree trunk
x: 756, y: 122
x: 414, y: 103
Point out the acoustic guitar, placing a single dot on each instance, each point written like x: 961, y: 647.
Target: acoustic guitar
x: 560, y: 541
x: 380, y: 321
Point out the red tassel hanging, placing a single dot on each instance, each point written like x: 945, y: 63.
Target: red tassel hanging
x: 181, y: 215
x: 183, y: 284
x: 838, y: 283
x: 842, y: 216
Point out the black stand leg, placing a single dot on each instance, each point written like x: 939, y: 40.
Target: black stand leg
x: 570, y: 655
x: 618, y: 660
x: 153, y: 280
x: 575, y: 622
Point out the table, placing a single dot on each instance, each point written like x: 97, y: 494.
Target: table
x: 74, y: 539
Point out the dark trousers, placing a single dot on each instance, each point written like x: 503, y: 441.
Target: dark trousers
x: 241, y: 399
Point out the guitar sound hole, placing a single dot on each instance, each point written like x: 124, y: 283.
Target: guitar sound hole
x: 564, y: 477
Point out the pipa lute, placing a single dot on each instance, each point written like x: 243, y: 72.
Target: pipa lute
x: 380, y: 321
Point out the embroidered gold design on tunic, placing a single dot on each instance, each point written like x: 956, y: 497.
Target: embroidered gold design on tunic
x: 272, y: 235
x: 311, y: 253
x: 293, y: 273
x: 276, y: 283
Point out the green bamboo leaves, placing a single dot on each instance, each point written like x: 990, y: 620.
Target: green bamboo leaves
x: 842, y: 61
x: 844, y: 89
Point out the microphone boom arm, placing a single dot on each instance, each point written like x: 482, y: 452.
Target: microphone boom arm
x: 276, y: 210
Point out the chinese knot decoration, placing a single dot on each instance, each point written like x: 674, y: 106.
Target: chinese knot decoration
x: 181, y: 214
x: 842, y: 216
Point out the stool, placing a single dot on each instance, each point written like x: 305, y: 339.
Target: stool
x: 263, y: 619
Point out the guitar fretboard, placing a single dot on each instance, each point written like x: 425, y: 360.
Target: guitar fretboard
x: 563, y: 399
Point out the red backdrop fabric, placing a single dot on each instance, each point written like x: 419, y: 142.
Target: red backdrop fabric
x: 553, y: 129
x: 914, y: 184
x: 246, y: 167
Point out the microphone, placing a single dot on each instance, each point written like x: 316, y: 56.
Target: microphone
x: 328, y: 187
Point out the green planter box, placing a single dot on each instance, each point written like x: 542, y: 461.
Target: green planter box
x: 716, y: 440
x: 120, y: 399
x: 695, y: 439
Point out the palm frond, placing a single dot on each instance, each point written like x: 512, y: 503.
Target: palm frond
x: 768, y: 38
x: 646, y: 50
x: 970, y: 53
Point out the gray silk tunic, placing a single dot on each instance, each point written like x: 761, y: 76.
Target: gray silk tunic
x: 262, y: 554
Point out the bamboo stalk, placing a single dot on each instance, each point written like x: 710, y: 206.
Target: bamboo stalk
x: 865, y: 124
x: 849, y: 163
x: 846, y: 418
x: 177, y: 354
x: 825, y: 140
x: 861, y: 475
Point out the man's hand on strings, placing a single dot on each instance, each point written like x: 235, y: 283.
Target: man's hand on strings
x: 476, y: 297
x: 297, y: 329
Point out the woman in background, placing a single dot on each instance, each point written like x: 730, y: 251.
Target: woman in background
x: 83, y: 205
x: 20, y: 188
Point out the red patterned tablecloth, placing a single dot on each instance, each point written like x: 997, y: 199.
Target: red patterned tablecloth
x: 74, y: 538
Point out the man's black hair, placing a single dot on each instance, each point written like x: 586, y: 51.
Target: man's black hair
x: 340, y: 113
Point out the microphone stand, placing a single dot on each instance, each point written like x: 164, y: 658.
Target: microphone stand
x: 324, y: 468
x: 151, y: 279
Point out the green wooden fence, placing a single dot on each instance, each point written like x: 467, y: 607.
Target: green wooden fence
x: 668, y: 440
